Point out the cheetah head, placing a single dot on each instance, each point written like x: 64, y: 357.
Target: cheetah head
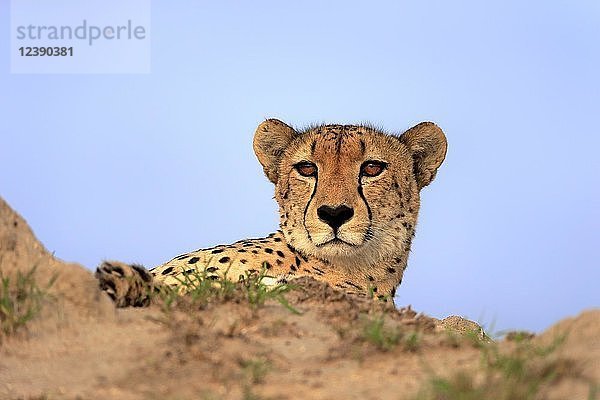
x: 349, y: 194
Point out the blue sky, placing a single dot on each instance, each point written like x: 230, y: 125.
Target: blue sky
x: 142, y: 167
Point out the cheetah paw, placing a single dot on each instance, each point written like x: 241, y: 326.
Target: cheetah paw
x: 127, y: 285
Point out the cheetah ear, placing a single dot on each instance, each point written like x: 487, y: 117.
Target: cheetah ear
x: 427, y: 145
x: 270, y: 140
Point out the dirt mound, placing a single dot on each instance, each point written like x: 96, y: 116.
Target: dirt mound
x: 314, y: 343
x: 20, y: 251
x: 78, y: 337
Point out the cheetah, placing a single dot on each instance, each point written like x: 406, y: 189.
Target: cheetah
x: 348, y: 199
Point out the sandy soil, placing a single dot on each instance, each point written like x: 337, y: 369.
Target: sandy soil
x: 81, y: 347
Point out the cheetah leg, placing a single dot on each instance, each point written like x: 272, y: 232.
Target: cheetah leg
x: 127, y: 285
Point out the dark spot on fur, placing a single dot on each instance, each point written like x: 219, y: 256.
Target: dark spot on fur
x: 267, y: 265
x: 243, y: 261
x: 213, y: 277
x: 241, y: 250
x: 212, y: 269
x: 189, y: 271
x: 216, y: 251
x: 391, y: 270
x: 370, y: 278
x: 142, y: 272
x: 298, y: 261
x: 278, y: 262
x: 353, y: 285
x: 193, y: 260
x: 293, y: 267
x: 280, y: 253
x: 167, y: 271
x: 223, y: 260
x: 268, y: 250
x: 254, y: 251
x: 277, y: 239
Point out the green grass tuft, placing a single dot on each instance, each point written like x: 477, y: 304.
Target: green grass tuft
x: 21, y: 300
x: 376, y: 332
x: 258, y: 293
x: 503, y: 375
x: 412, y: 341
x: 198, y: 288
x: 255, y: 369
x: 385, y: 338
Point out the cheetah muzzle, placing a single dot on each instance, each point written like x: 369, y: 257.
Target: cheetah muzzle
x: 348, y: 196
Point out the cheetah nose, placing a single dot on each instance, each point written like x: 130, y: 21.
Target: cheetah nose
x: 335, y: 216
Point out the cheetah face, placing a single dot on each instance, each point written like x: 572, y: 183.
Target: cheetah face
x: 348, y: 194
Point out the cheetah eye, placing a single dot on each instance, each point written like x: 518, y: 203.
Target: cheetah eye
x: 306, y: 168
x: 372, y: 168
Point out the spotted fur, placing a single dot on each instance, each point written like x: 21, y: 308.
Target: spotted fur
x: 339, y: 225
